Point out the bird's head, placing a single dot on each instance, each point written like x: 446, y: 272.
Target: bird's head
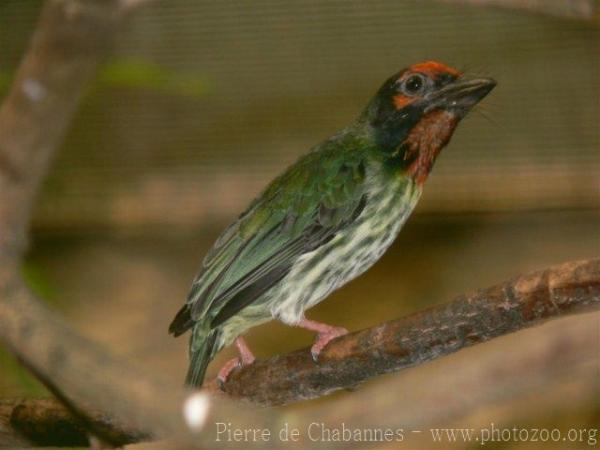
x: 413, y: 115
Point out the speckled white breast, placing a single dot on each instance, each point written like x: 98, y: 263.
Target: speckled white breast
x: 349, y: 254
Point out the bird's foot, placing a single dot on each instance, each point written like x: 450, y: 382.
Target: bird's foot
x: 326, y: 334
x: 227, y: 369
x: 246, y: 357
x: 325, y: 338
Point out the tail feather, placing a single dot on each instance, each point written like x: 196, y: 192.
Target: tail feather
x: 182, y: 322
x: 204, y: 346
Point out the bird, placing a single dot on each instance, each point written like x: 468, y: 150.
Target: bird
x: 326, y: 219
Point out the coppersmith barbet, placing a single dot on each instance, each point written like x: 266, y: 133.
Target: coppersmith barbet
x: 327, y: 218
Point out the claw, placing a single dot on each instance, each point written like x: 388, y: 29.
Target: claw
x: 325, y: 338
x: 326, y: 333
x: 227, y: 368
x: 246, y: 357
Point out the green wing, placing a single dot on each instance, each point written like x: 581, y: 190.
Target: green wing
x: 298, y: 212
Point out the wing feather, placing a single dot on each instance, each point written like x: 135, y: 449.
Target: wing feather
x: 297, y: 213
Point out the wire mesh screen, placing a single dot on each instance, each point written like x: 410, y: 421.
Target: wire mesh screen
x: 204, y: 102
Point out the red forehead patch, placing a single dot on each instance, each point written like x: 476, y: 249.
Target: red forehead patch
x: 433, y: 68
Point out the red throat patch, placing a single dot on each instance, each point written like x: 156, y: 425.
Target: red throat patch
x: 426, y: 140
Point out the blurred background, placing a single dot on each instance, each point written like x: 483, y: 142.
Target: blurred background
x: 204, y: 102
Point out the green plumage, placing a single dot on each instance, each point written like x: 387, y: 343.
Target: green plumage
x: 328, y: 217
x: 302, y: 209
x: 279, y: 225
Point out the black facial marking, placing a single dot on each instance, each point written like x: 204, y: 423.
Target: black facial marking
x: 400, y: 159
x: 392, y: 125
x: 384, y: 105
x: 396, y: 126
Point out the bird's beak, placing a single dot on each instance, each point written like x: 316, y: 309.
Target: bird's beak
x: 460, y: 96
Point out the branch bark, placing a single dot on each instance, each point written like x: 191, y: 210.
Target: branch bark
x: 46, y: 422
x: 72, y: 37
x: 470, y: 319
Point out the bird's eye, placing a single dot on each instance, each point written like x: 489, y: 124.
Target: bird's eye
x: 414, y: 84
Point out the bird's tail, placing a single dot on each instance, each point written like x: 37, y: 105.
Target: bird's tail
x: 202, y: 349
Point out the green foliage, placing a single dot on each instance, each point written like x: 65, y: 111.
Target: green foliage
x: 38, y: 283
x: 15, y: 375
x: 5, y: 80
x: 141, y: 74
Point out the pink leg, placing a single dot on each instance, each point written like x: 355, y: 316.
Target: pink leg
x: 245, y: 353
x: 326, y: 333
x: 246, y: 357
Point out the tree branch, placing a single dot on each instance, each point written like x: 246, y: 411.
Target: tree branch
x: 72, y: 37
x: 46, y: 422
x: 470, y: 319
x: 522, y: 302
